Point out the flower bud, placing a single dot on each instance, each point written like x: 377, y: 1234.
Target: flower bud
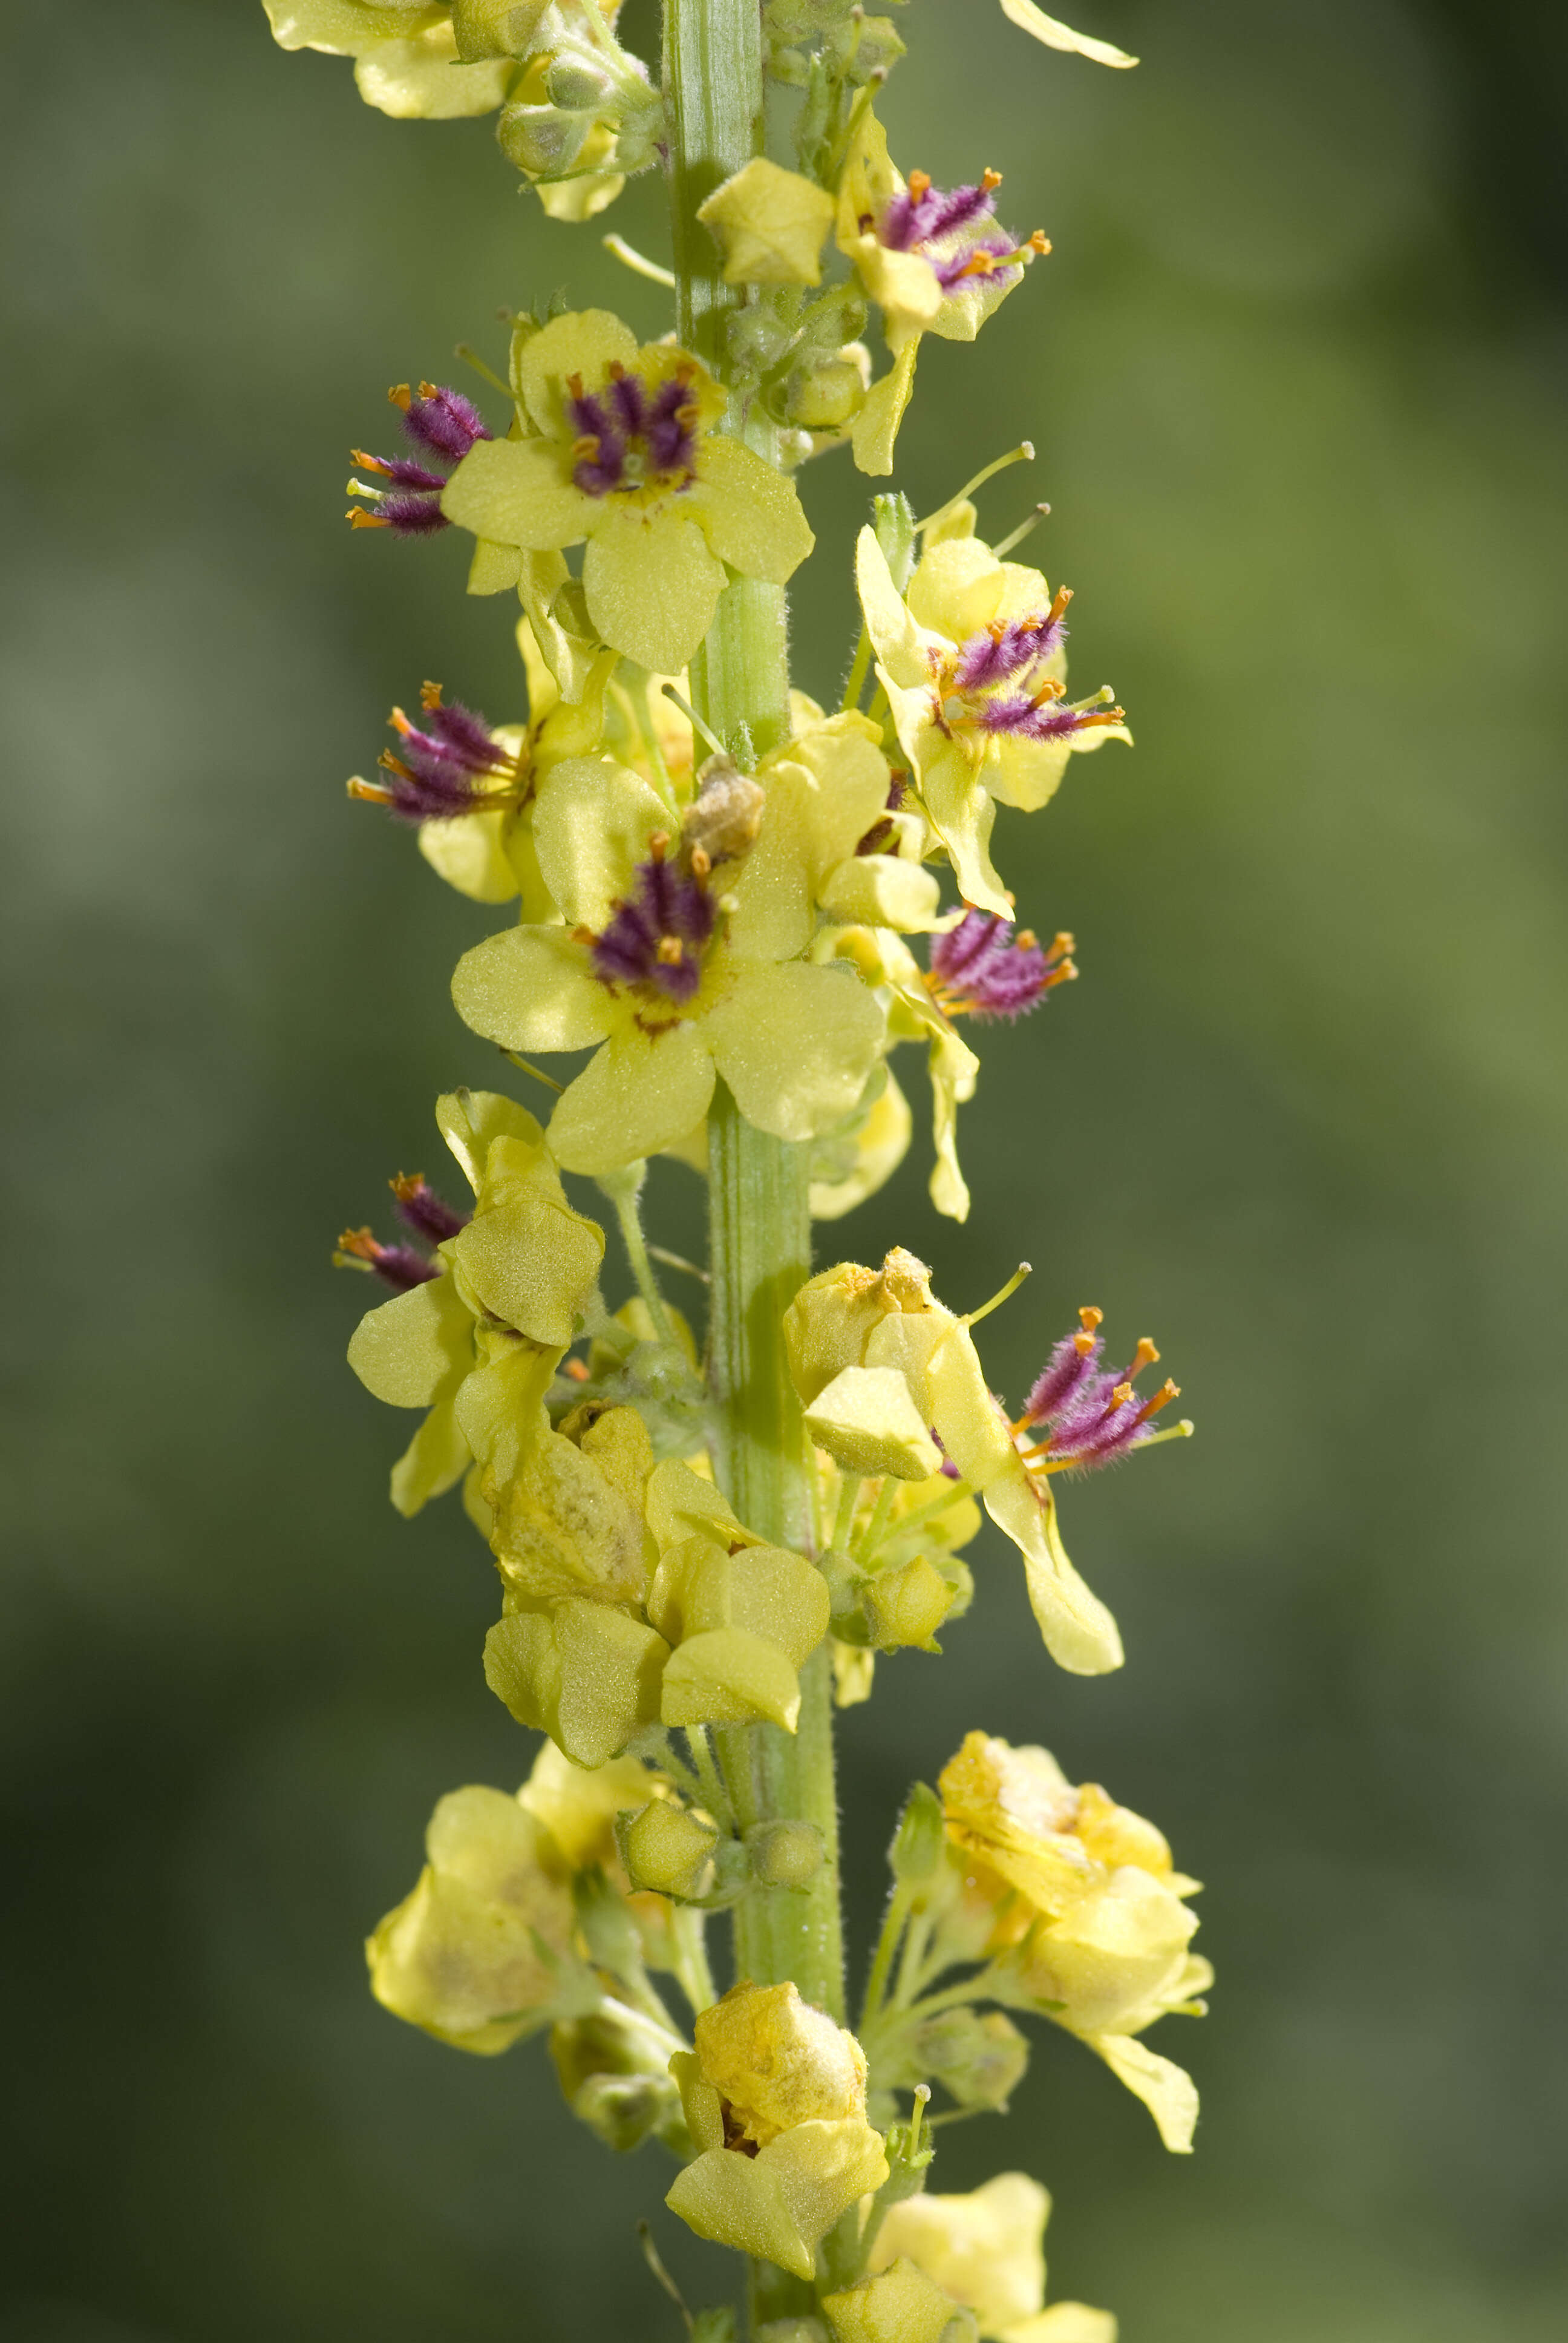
x: 669, y: 1849
x: 907, y: 1605
x: 542, y: 140
x: 578, y: 84
x: 785, y: 1854
x: 612, y: 2074
x: 979, y: 2061
x: 726, y: 815
x: 777, y: 2062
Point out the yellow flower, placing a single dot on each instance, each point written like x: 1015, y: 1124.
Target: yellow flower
x: 624, y: 455
x: 477, y: 1346
x: 404, y: 52
x: 1089, y: 1912
x: 984, y: 2251
x: 973, y: 663
x: 853, y: 1317
x: 934, y: 261
x: 678, y: 989
x: 775, y: 2098
x: 900, y: 2305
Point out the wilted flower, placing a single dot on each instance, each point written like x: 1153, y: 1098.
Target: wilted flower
x: 1087, y: 1897
x: 775, y: 2098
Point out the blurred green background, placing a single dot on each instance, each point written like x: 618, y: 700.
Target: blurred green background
x: 1295, y: 377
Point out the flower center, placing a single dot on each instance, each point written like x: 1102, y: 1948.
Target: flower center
x: 630, y: 438
x: 954, y: 230
x: 656, y: 936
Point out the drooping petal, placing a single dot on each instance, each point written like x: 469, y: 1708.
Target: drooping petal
x: 652, y: 584
x: 532, y: 989
x: 519, y: 492
x: 795, y: 1043
x: 1079, y: 1631
x: 875, y: 430
x: 470, y: 854
x: 435, y: 1460
x: 963, y: 814
x: 640, y: 1094
x: 1167, y: 2090
x: 1029, y: 18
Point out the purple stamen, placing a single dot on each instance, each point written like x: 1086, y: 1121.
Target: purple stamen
x: 656, y: 935
x: 1003, y: 654
x: 1092, y: 1415
x: 613, y: 423
x: 1028, y: 719
x: 445, y: 422
x: 419, y: 1208
x: 979, y: 966
x: 398, y: 1266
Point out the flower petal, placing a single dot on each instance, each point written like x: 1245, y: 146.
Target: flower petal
x: 592, y: 822
x: 437, y: 1456
x: 1167, y: 2090
x: 652, y: 584
x: 640, y: 1094
x: 900, y: 645
x: 421, y: 81
x: 795, y: 1044
x: 532, y: 989
x: 585, y: 342
x: 415, y: 1349
x: 748, y: 511
x: 770, y: 224
x: 519, y: 492
x: 963, y: 813
x: 1079, y: 1631
x: 1057, y: 35
x: 875, y: 430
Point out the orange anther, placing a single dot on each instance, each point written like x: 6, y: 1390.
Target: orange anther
x: 429, y: 694
x: 920, y: 184
x: 406, y: 1185
x: 1166, y: 1391
x: 1091, y: 1317
x: 1039, y: 242
x: 702, y: 862
x: 659, y: 845
x: 429, y: 390
x: 1026, y: 939
x: 1143, y: 1356
x: 1061, y: 943
x: 371, y: 463
x: 1060, y: 600
x: 672, y: 951
x: 576, y: 1369
x: 989, y: 179
x: 368, y: 791
x: 400, y: 395
x: 360, y: 1242
x: 357, y: 518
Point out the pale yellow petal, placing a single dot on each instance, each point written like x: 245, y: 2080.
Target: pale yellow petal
x: 470, y: 1120
x: 795, y: 1043
x: 963, y: 815
x: 585, y: 342
x: 435, y: 1459
x: 519, y: 492
x: 592, y: 823
x: 652, y: 584
x: 1079, y: 1631
x: 420, y: 80
x: 470, y: 854
x: 898, y: 641
x: 1065, y: 2322
x: 1029, y: 18
x: 876, y: 427
x: 414, y: 1348
x: 882, y: 890
x: 770, y: 224
x: 1167, y: 2090
x: 637, y: 1095
x: 532, y: 989
x: 749, y: 511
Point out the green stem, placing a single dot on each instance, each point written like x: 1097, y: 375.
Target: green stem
x: 760, y: 1228
x: 624, y: 1190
